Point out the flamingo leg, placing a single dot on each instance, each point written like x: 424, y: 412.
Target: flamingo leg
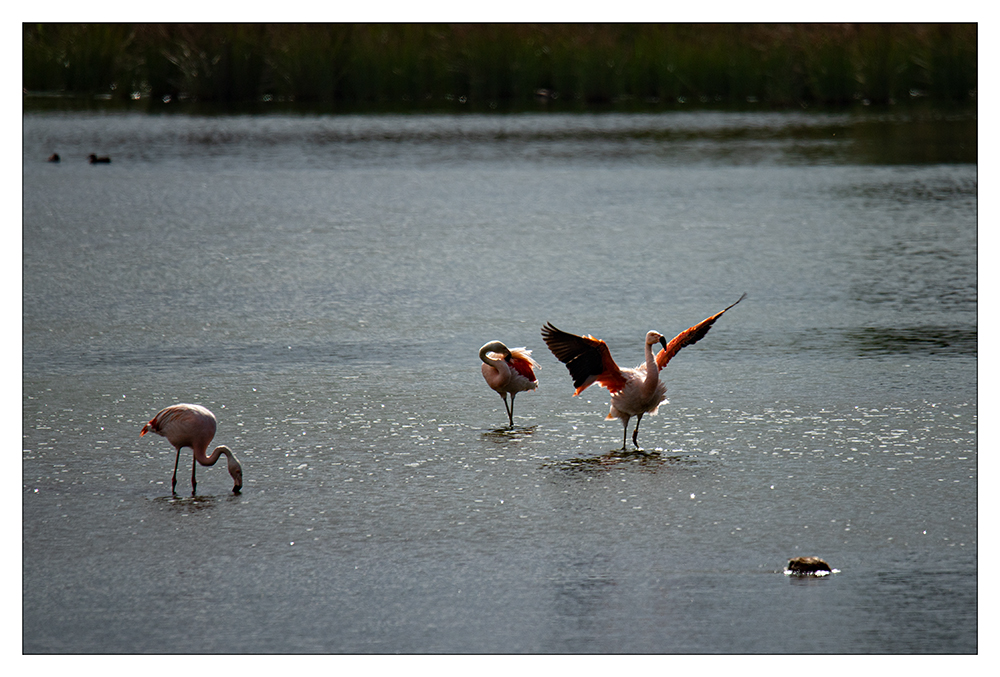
x: 194, y: 482
x: 511, y: 412
x: 624, y: 432
x: 635, y: 432
x: 173, y: 480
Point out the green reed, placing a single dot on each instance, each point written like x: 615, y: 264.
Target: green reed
x: 506, y: 64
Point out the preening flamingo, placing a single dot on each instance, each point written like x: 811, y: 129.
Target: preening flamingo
x: 634, y: 392
x: 508, y: 371
x: 193, y: 426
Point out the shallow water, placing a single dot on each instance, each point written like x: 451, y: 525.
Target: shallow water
x: 323, y: 284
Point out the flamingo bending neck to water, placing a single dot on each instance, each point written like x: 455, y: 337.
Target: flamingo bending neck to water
x: 634, y: 392
x: 508, y: 370
x: 191, y: 425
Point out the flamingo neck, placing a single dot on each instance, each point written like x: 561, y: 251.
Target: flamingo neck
x: 233, y: 465
x: 203, y: 458
x: 652, y: 370
x: 495, y: 347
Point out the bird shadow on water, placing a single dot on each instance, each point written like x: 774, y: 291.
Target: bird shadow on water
x: 505, y: 435
x: 189, y: 504
x: 646, y: 461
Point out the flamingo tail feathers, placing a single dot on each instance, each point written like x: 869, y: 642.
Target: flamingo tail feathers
x: 522, y: 362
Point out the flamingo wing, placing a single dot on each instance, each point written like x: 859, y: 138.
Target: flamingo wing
x: 162, y: 419
x: 522, y: 362
x: 587, y: 358
x: 690, y: 336
x: 179, y: 422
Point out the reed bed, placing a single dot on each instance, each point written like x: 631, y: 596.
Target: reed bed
x: 505, y: 65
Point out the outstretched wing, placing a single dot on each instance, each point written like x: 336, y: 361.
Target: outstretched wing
x: 587, y: 358
x: 689, y: 336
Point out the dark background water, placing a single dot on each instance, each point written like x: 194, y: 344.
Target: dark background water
x: 323, y: 284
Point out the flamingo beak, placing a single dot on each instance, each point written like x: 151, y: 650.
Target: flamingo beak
x: 663, y: 342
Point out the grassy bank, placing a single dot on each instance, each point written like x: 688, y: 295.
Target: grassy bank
x: 505, y: 65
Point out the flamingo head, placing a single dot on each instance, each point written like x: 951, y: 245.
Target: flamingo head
x: 235, y: 469
x: 495, y: 347
x: 654, y: 337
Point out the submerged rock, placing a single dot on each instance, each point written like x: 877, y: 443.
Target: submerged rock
x: 806, y: 566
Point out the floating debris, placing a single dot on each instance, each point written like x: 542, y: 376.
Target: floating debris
x: 808, y: 566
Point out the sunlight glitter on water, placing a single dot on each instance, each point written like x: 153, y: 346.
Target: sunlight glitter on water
x: 335, y: 334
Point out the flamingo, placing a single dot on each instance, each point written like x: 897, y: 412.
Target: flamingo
x: 509, y: 372
x: 191, y: 425
x: 94, y: 160
x: 634, y: 392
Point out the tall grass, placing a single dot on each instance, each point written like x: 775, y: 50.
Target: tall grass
x: 506, y: 64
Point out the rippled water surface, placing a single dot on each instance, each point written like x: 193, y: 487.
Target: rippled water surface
x: 324, y: 283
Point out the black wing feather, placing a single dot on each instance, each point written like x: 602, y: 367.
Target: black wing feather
x: 582, y: 358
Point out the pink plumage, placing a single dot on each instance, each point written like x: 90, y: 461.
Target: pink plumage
x: 508, y: 370
x: 193, y: 426
x: 634, y: 392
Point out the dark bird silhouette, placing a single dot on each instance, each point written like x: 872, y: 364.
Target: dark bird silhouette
x: 805, y: 566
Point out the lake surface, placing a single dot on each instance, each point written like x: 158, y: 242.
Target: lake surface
x: 324, y: 283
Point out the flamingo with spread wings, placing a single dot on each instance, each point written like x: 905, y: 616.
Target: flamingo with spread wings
x: 191, y: 425
x: 508, y: 370
x: 634, y: 392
